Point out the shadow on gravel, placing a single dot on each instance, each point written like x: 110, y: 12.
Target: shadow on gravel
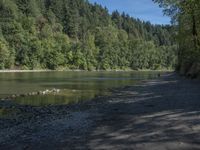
x: 163, y: 114
x: 158, y: 115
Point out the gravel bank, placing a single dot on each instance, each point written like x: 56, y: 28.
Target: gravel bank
x: 162, y: 114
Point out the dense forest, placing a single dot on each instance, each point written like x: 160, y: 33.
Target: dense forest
x: 186, y: 16
x: 75, y: 34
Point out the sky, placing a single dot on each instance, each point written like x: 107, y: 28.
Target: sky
x: 143, y: 9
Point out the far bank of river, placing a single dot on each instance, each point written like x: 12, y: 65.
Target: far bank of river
x: 78, y: 70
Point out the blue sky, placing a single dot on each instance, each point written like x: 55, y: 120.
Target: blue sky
x: 143, y: 9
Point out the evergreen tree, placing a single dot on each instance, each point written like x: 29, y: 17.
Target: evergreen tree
x: 75, y: 34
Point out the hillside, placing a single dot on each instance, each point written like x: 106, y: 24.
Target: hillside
x: 74, y: 34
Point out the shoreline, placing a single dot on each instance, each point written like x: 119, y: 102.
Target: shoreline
x: 21, y: 71
x: 13, y: 71
x: 150, y: 114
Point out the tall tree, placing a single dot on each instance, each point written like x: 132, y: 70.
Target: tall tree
x: 186, y: 14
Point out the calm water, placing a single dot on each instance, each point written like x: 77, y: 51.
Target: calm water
x: 75, y: 86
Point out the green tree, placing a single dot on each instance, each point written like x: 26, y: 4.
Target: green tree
x: 4, y: 55
x: 79, y: 35
x: 186, y: 14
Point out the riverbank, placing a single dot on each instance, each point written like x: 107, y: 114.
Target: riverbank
x: 77, y: 70
x: 155, y: 114
x: 12, y: 71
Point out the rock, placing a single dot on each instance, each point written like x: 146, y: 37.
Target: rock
x: 25, y: 147
x: 8, y: 98
x: 29, y: 94
x: 184, y: 68
x: 45, y: 92
x: 13, y: 96
x: 58, y: 90
x: 194, y: 71
x: 40, y: 92
x: 23, y: 95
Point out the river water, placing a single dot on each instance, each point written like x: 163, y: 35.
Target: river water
x: 75, y: 86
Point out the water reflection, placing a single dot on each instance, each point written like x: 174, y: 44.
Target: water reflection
x: 75, y: 86
x: 64, y: 97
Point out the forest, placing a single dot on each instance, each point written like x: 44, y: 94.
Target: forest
x: 75, y: 34
x: 185, y: 16
x: 75, y: 75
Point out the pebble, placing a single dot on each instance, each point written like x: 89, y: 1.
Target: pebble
x: 45, y: 92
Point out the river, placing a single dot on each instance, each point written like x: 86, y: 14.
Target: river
x: 74, y: 86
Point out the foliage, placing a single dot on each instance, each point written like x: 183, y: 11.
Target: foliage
x: 6, y: 58
x: 186, y: 15
x: 52, y: 34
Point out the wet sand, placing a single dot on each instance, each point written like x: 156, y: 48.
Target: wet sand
x: 161, y: 114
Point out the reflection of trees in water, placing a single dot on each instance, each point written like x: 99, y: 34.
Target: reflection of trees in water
x: 88, y: 84
x: 65, y: 97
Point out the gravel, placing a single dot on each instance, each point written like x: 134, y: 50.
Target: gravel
x: 161, y: 114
